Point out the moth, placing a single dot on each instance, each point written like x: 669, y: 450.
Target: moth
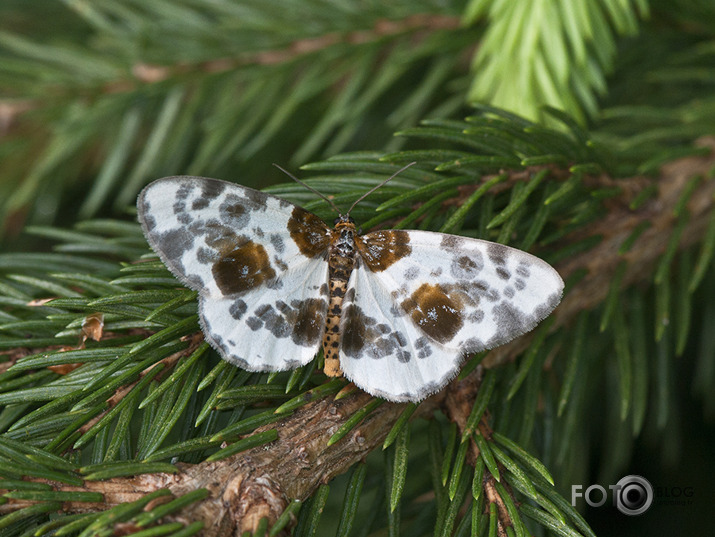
x: 395, y: 311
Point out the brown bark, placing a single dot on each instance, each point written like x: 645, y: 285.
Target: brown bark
x: 259, y: 482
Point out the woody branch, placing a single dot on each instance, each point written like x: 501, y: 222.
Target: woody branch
x: 259, y: 482
x: 601, y: 261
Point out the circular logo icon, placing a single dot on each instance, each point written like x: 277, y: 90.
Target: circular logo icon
x: 634, y: 495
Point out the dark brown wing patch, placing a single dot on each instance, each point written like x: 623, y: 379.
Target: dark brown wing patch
x: 436, y: 313
x: 380, y: 249
x: 308, y: 321
x: 354, y: 333
x: 309, y: 232
x: 364, y: 336
x: 244, y: 267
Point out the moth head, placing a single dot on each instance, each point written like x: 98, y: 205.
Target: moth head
x: 343, y: 220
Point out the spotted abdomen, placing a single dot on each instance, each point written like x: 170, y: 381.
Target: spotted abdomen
x: 341, y: 260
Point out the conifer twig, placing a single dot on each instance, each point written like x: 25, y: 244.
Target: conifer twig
x: 259, y: 482
x: 458, y: 402
x: 601, y: 261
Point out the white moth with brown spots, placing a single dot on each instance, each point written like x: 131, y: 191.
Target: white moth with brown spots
x: 395, y: 311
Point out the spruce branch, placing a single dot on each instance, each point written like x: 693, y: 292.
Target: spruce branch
x: 601, y: 262
x: 422, y: 24
x: 164, y: 365
x: 259, y: 482
x: 532, y: 52
x: 299, y: 453
x: 223, y: 94
x: 458, y: 402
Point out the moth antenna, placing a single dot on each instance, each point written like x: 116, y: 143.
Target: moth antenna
x: 309, y: 187
x: 366, y: 194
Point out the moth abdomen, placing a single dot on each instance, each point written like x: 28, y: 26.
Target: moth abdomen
x: 341, y: 261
